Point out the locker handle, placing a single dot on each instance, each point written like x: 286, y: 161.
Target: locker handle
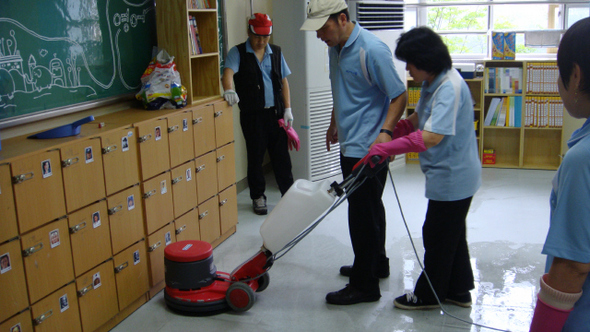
x: 69, y: 162
x: 109, y: 149
x: 85, y: 290
x: 149, y: 194
x: 29, y: 251
x: 155, y: 246
x: 181, y: 229
x: 121, y: 267
x: 218, y: 114
x: 197, y: 120
x: 176, y: 180
x: 204, y: 214
x: 172, y: 129
x: 22, y: 177
x: 75, y: 229
x: 43, y: 317
x: 144, y: 138
x: 200, y: 168
x: 222, y: 203
x: 220, y: 158
x: 115, y: 210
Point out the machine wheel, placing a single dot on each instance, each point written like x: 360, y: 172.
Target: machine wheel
x: 263, y: 282
x: 240, y: 297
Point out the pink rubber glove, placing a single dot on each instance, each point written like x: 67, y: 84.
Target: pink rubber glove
x: 292, y: 137
x: 410, y: 143
x: 403, y: 128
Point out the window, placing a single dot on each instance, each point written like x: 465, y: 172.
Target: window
x: 466, y: 27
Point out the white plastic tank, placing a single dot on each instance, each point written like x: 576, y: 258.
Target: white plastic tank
x: 301, y: 205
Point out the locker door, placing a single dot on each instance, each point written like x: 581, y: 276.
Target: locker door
x: 209, y: 220
x: 181, y: 139
x: 8, y: 226
x: 13, y: 293
x: 157, y: 202
x: 38, y: 189
x: 97, y: 296
x: 21, y: 322
x: 119, y: 156
x: 58, y: 311
x: 203, y: 130
x: 131, y: 274
x: 90, y: 236
x: 83, y: 173
x: 154, y: 152
x: 206, y: 169
x: 184, y: 188
x: 187, y: 226
x: 226, y: 166
x: 224, y: 124
x: 47, y: 258
x: 125, y: 211
x: 156, y: 243
x: 228, y: 209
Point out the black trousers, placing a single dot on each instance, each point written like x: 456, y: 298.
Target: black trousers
x: 366, y: 223
x: 262, y: 132
x: 446, y: 255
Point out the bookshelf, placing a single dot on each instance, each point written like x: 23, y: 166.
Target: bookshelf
x: 199, y: 71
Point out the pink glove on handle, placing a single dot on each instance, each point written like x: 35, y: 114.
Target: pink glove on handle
x: 292, y: 137
x: 410, y: 143
x: 547, y: 318
x: 403, y: 128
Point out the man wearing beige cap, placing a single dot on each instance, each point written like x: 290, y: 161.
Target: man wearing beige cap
x: 369, y: 99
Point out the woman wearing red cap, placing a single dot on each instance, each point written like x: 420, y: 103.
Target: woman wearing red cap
x: 259, y: 72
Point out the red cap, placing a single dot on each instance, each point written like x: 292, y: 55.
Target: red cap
x: 260, y: 24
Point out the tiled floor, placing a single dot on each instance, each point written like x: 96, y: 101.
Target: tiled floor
x: 507, y: 225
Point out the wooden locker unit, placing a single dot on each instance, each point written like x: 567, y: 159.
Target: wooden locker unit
x: 47, y: 256
x: 187, y: 226
x: 131, y: 274
x: 224, y: 128
x: 209, y: 220
x: 226, y: 166
x: 97, y: 296
x: 228, y: 209
x: 126, y: 222
x: 8, y: 226
x: 180, y: 138
x: 58, y: 311
x: 21, y: 322
x: 39, y: 197
x: 154, y: 151
x: 120, y: 159
x: 91, y: 240
x: 204, y: 129
x: 184, y: 188
x: 157, y: 202
x: 13, y: 293
x: 156, y: 243
x: 83, y: 176
x: 206, y: 174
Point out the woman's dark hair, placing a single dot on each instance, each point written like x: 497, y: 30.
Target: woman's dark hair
x: 574, y: 48
x: 424, y: 48
x: 334, y: 17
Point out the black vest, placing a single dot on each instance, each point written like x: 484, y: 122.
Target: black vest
x: 249, y: 84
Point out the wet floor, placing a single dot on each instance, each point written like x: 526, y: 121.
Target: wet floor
x: 507, y: 224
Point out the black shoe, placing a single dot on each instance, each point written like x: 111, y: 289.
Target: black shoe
x: 346, y: 270
x: 259, y: 205
x: 349, y: 295
x: 410, y: 301
x: 462, y: 300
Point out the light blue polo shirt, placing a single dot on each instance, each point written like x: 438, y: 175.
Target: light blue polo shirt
x: 569, y: 230
x: 232, y: 61
x: 452, y: 167
x: 364, y: 81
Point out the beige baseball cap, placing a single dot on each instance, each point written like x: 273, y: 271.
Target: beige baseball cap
x: 318, y: 12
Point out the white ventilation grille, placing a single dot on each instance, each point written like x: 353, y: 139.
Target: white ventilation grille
x: 324, y: 164
x: 379, y: 15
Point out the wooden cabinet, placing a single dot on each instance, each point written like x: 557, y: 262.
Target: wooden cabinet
x: 204, y: 129
x: 224, y: 130
x: 120, y: 159
x: 226, y: 166
x: 187, y: 226
x: 125, y: 218
x: 131, y: 274
x: 58, y: 311
x: 157, y: 202
x: 228, y: 209
x: 13, y: 293
x: 209, y: 220
x: 154, y: 150
x: 8, y: 226
x: 20, y: 322
x: 180, y: 136
x: 184, y: 188
x: 156, y: 243
x: 206, y: 174
x: 97, y: 296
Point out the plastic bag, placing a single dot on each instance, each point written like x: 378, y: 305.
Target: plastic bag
x: 161, y: 85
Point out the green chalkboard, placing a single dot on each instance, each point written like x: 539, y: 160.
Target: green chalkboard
x: 56, y: 53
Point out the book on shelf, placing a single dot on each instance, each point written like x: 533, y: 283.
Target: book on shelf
x: 199, y: 4
x: 504, y: 112
x: 491, y: 111
x: 194, y: 36
x: 506, y: 80
x: 501, y: 122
